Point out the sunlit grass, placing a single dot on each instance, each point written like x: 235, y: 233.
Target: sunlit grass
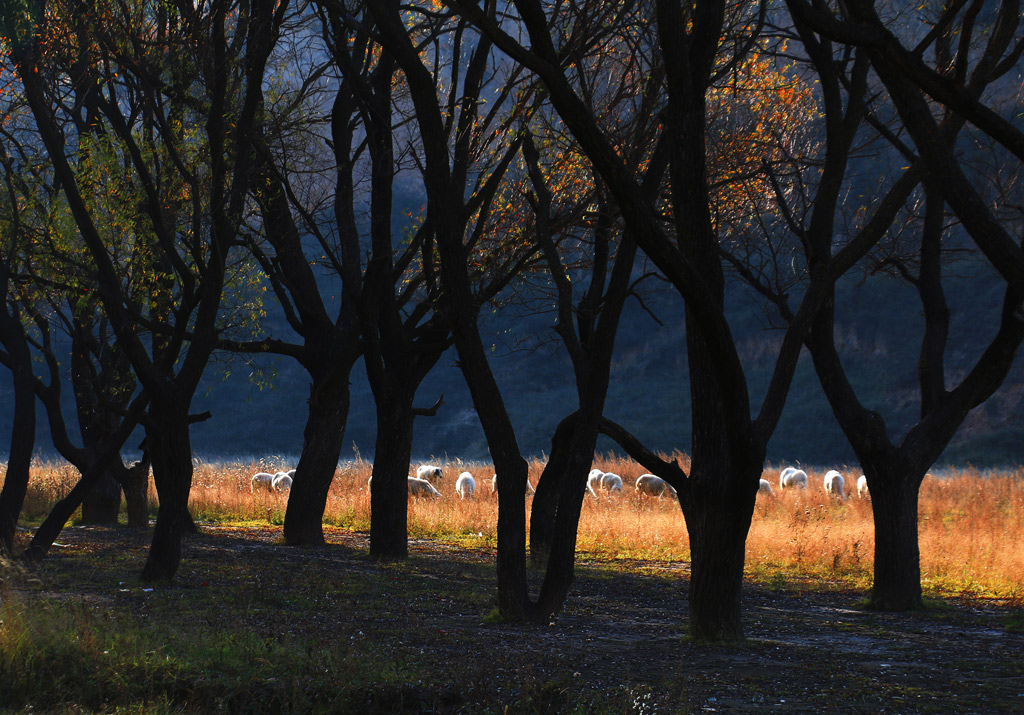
x: 970, y: 521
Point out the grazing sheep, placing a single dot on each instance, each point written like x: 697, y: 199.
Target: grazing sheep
x: 765, y: 487
x: 594, y: 481
x: 428, y: 471
x: 282, y: 482
x: 653, y: 486
x: 611, y: 482
x: 261, y: 480
x: 792, y: 477
x: 530, y: 491
x: 835, y: 485
x: 422, y: 488
x: 465, y: 485
x: 862, y: 487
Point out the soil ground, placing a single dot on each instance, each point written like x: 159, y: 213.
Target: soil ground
x: 619, y: 645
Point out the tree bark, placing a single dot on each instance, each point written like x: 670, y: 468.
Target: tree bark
x: 103, y: 502
x: 23, y: 432
x: 549, y: 490
x: 389, y: 495
x: 894, y: 501
x: 718, y: 534
x: 135, y: 483
x: 323, y: 440
x: 561, y: 570
x: 168, y: 445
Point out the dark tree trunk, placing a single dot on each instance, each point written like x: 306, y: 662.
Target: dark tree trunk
x: 58, y: 517
x: 718, y: 535
x: 169, y: 447
x: 560, y: 571
x: 323, y: 440
x: 103, y: 502
x: 23, y: 432
x: 135, y: 483
x: 897, y: 584
x: 389, y: 495
x: 549, y: 490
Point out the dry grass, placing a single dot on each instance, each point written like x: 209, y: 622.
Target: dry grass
x: 970, y: 522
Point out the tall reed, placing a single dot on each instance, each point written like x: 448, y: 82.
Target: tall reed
x: 969, y: 535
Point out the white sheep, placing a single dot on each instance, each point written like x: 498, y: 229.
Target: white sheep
x: 862, y: 487
x: 465, y: 485
x: 653, y: 486
x: 594, y: 481
x: 611, y: 482
x: 422, y: 488
x: 261, y: 480
x: 835, y: 485
x: 765, y: 487
x: 282, y: 482
x: 530, y: 491
x: 428, y: 471
x: 792, y: 477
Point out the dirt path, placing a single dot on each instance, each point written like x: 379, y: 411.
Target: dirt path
x: 622, y: 631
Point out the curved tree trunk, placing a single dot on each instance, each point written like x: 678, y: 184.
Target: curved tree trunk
x: 169, y: 446
x: 389, y: 495
x: 549, y: 490
x: 560, y: 571
x: 323, y: 440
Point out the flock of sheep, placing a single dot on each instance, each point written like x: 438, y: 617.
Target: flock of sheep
x: 265, y: 481
x: 834, y: 483
x: 598, y: 483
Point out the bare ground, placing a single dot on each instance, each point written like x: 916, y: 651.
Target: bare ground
x: 620, y: 644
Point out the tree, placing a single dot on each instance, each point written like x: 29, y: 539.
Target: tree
x: 463, y: 148
x: 194, y: 73
x: 728, y: 445
x: 972, y: 49
x: 17, y: 357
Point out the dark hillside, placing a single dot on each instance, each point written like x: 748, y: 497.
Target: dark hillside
x: 879, y: 334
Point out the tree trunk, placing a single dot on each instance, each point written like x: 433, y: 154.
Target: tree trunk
x: 169, y: 446
x: 135, y: 484
x: 549, y: 490
x: 323, y: 439
x: 58, y: 517
x: 718, y: 536
x: 103, y: 502
x: 897, y: 585
x: 389, y: 495
x: 23, y: 432
x: 561, y: 567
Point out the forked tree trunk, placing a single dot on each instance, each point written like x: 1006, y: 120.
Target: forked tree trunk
x: 897, y: 584
x: 389, y: 494
x: 323, y: 440
x: 169, y: 447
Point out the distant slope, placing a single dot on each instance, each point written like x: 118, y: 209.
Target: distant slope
x: 878, y: 333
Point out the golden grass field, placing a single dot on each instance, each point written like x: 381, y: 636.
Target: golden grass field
x: 971, y: 524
